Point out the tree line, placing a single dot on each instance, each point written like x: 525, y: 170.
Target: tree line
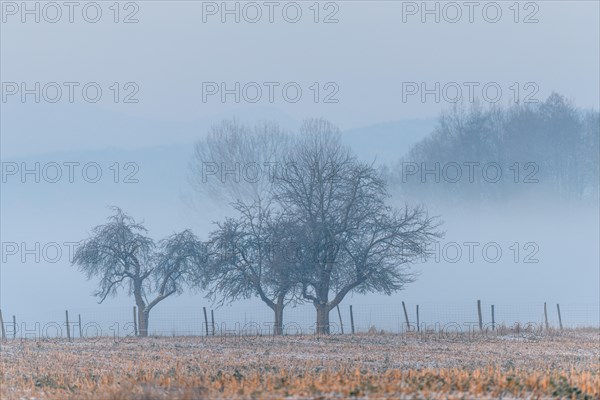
x: 315, y: 228
x: 549, y: 148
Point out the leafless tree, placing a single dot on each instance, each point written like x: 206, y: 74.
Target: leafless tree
x: 254, y: 255
x: 121, y: 255
x: 238, y: 162
x: 357, y: 242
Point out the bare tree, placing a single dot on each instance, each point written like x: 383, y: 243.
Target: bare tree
x: 121, y: 255
x: 253, y: 255
x: 356, y: 242
x: 238, y: 162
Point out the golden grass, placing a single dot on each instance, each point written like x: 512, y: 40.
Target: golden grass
x: 373, y: 366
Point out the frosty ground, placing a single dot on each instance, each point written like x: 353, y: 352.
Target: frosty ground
x: 542, y: 365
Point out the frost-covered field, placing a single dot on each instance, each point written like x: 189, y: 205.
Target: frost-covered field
x: 564, y: 364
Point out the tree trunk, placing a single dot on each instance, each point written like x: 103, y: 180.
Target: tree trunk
x: 322, y: 319
x: 143, y: 313
x: 278, y: 326
x: 143, y: 317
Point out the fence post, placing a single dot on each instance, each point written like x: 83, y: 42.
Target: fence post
x: 2, y: 323
x: 351, y: 320
x: 405, y: 315
x: 14, y: 327
x: 418, y: 322
x: 67, y: 321
x: 559, y: 317
x: 205, y: 320
x: 493, y: 319
x: 479, y: 315
x: 135, y: 329
x: 212, y: 321
x: 80, y: 328
x: 340, y: 317
x: 545, y: 315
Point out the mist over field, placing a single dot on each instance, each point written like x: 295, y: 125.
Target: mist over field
x: 555, y: 259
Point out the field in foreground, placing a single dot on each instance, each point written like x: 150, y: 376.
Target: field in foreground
x: 374, y: 366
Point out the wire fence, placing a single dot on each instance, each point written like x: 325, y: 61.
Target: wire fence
x: 300, y: 320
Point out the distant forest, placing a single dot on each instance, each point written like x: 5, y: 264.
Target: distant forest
x: 550, y: 148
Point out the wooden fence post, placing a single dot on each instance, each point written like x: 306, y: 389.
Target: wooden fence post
x: 2, y: 323
x: 212, y: 321
x: 545, y: 315
x: 80, y: 328
x: 340, y: 317
x: 418, y: 322
x: 559, y: 317
x: 205, y: 320
x: 405, y: 315
x: 14, y: 327
x: 351, y: 320
x: 135, y: 328
x: 67, y: 322
x: 479, y: 315
x: 493, y: 319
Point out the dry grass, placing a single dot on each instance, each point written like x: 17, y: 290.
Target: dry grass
x: 374, y: 366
